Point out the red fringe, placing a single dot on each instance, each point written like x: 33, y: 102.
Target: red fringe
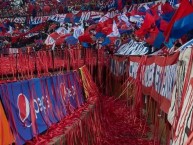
x: 83, y: 127
x: 43, y: 63
x: 121, y: 126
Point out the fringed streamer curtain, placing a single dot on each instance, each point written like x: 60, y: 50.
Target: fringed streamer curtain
x: 83, y: 127
x: 90, y: 87
x: 22, y: 66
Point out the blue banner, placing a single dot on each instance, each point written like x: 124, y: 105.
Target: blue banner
x: 22, y: 106
x: 32, y: 106
x: 79, y: 88
x: 74, y: 84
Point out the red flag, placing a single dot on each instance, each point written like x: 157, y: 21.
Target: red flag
x: 107, y: 30
x: 180, y: 21
x: 167, y: 8
x: 148, y: 22
x: 86, y: 37
x: 163, y: 25
x: 152, y: 36
x: 154, y: 11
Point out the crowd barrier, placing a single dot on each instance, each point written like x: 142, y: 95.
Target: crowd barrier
x: 57, y: 109
x: 163, y: 84
x: 157, y: 74
x: 32, y: 106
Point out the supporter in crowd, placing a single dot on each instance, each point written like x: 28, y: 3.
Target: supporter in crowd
x: 177, y: 45
x: 124, y: 38
x: 38, y: 8
x: 110, y: 48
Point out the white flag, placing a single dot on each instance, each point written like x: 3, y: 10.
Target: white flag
x: 49, y: 40
x: 78, y: 31
x: 53, y: 46
x: 125, y: 19
x: 105, y: 17
x: 10, y: 30
x: 115, y: 32
x: 62, y: 31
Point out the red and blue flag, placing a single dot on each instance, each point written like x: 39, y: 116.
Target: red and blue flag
x: 181, y: 22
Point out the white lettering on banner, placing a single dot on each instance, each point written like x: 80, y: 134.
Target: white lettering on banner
x: 31, y: 35
x: 71, y: 92
x: 172, y: 2
x: 54, y: 18
x: 118, y: 68
x: 148, y: 77
x: 41, y: 104
x: 23, y: 104
x: 168, y: 82
x: 93, y: 13
x: 36, y: 107
x: 133, y: 48
x: 4, y: 19
x: 152, y: 76
x: 157, y: 80
x: 133, y: 69
x: 122, y: 67
x: 85, y: 16
x: 164, y: 87
x: 135, y: 6
x: 111, y: 4
x: 36, y: 20
x: 19, y: 20
x: 185, y: 119
x: 112, y: 14
x: 122, y: 50
x: 67, y: 92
